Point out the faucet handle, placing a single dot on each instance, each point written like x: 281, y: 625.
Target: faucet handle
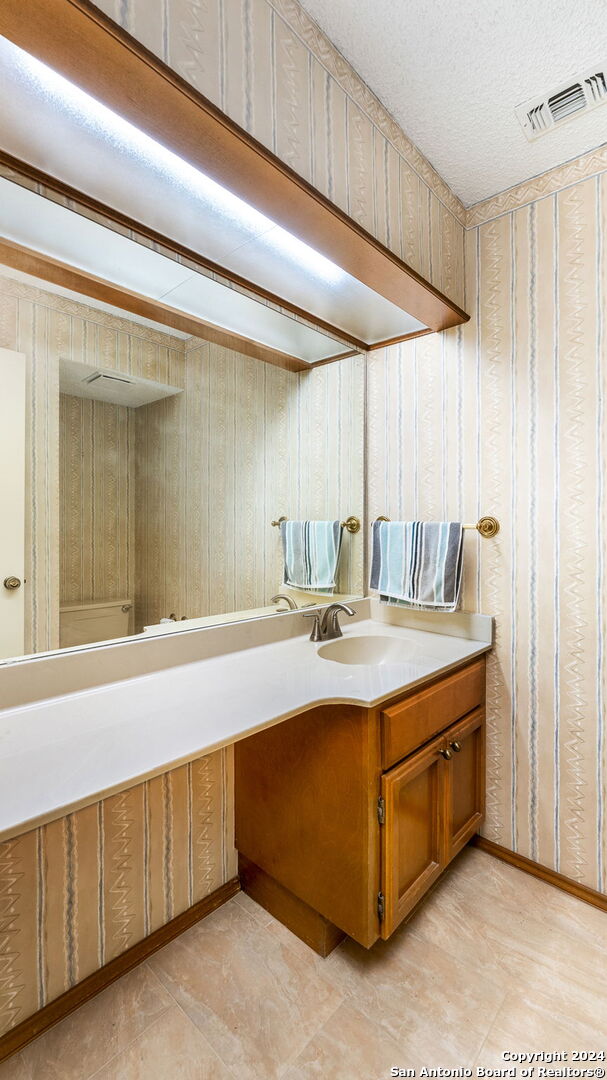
x: 316, y: 634
x: 330, y: 627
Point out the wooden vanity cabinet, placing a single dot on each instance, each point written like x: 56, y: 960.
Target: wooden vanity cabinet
x: 336, y: 834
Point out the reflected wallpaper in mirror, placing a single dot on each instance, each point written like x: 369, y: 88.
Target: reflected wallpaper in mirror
x: 139, y: 512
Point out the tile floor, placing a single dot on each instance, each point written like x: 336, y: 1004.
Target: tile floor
x: 495, y: 960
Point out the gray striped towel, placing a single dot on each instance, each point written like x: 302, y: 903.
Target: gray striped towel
x: 417, y: 564
x: 311, y: 554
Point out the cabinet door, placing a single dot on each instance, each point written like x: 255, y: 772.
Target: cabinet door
x: 465, y: 778
x: 413, y: 841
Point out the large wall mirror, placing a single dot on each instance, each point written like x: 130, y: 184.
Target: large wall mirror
x: 146, y: 463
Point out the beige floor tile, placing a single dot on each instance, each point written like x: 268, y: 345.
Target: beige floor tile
x: 253, y: 909
x: 428, y: 1001
x: 257, y: 1001
x: 559, y: 1021
x: 447, y: 919
x: 511, y: 928
x: 480, y: 871
x: 494, y: 875
x: 172, y: 1047
x: 78, y: 1046
x: 494, y: 959
x: 348, y: 1046
x: 492, y: 881
x: 15, y: 1069
x: 486, y: 876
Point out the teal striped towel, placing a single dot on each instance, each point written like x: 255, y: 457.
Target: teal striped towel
x: 417, y: 564
x: 311, y: 554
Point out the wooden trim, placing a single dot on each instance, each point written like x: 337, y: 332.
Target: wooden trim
x: 81, y: 200
x: 560, y: 881
x: 69, y: 277
x: 399, y: 340
x: 77, y: 40
x: 18, y: 1037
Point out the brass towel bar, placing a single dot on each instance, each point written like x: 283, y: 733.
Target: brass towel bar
x: 486, y: 526
x: 352, y: 524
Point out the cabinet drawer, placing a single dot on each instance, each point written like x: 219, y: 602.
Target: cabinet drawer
x: 413, y: 721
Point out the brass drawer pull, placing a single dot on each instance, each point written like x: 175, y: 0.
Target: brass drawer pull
x: 446, y: 753
x: 456, y: 746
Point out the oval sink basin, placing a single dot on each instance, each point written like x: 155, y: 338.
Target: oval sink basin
x: 368, y: 650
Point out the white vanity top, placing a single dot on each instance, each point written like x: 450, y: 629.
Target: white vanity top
x: 66, y: 752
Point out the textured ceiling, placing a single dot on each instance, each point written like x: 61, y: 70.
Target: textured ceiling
x: 452, y: 71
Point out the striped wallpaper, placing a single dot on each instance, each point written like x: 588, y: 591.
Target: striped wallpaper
x: 246, y: 443
x: 78, y: 892
x: 96, y: 501
x: 506, y: 416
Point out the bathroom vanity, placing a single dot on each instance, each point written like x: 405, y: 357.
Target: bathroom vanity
x: 346, y: 816
x: 359, y: 775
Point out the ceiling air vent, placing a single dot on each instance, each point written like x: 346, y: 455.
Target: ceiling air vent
x: 541, y: 115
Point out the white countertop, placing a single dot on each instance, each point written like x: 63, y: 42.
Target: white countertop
x: 66, y: 752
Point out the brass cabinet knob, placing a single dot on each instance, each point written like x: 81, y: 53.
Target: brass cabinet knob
x: 456, y: 746
x: 12, y: 583
x: 446, y: 753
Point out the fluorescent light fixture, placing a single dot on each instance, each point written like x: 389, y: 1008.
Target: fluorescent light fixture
x: 128, y: 139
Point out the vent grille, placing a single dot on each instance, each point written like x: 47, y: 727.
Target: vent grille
x: 541, y: 115
x: 567, y: 103
x: 108, y: 378
x: 596, y: 86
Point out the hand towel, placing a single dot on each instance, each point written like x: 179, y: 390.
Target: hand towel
x: 311, y: 554
x: 417, y: 564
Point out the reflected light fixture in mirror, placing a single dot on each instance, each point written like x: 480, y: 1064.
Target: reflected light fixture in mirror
x: 124, y: 168
x: 65, y: 242
x: 63, y: 97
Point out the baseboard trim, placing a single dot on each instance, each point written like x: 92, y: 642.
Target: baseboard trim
x: 575, y: 888
x: 30, y: 1028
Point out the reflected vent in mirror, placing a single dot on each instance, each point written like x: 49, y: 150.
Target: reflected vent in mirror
x: 108, y: 378
x: 114, y: 387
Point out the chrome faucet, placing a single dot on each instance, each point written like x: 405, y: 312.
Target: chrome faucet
x: 283, y: 596
x: 326, y: 624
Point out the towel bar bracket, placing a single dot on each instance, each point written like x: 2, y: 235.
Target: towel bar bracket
x: 486, y: 526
